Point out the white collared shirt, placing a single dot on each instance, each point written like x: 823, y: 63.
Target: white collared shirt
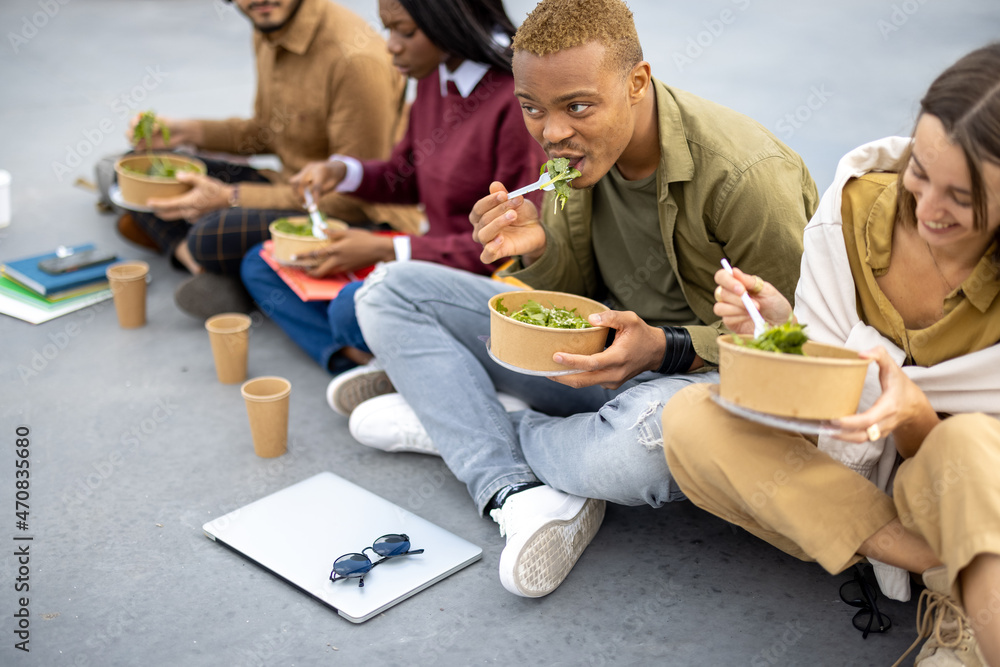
x: 466, y: 77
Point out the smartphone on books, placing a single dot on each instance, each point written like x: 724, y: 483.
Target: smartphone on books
x: 79, y: 260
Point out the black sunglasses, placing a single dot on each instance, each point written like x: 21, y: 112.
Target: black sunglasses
x: 862, y: 592
x: 358, y: 565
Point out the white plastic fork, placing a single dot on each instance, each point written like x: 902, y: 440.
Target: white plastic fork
x: 544, y: 182
x: 317, y: 220
x: 759, y: 325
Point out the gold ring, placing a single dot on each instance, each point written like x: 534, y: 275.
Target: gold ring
x: 874, y: 432
x: 758, y: 285
x: 718, y: 293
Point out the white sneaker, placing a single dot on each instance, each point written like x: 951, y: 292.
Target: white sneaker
x: 352, y: 388
x: 547, y: 531
x: 390, y: 424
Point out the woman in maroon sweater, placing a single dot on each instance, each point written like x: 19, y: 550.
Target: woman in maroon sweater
x: 465, y: 131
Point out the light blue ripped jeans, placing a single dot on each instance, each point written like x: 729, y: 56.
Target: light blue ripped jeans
x: 423, y: 322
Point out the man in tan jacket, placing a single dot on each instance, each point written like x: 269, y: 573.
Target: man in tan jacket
x: 325, y: 85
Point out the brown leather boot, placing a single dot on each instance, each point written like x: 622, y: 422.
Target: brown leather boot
x: 130, y: 229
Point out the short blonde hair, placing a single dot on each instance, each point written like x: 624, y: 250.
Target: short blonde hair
x: 555, y: 25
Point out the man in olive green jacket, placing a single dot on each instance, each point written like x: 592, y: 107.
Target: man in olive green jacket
x: 670, y: 184
x: 725, y: 187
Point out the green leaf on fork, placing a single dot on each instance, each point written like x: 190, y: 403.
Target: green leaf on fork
x: 561, y: 174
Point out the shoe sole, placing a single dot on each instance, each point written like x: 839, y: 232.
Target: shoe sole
x: 356, y: 390
x: 550, y: 552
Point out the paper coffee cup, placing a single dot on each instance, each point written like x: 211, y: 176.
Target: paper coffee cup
x: 229, y: 334
x: 4, y: 197
x: 266, y: 399
x: 128, y: 287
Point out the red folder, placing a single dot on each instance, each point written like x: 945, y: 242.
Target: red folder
x: 305, y: 286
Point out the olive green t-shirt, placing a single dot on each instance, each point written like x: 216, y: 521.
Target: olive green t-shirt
x: 628, y: 248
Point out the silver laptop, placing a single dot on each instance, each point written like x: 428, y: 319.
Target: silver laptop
x: 298, y: 532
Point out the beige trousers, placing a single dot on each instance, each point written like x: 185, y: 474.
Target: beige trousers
x: 780, y: 487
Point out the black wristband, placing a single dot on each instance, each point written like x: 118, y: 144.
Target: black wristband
x: 679, y: 353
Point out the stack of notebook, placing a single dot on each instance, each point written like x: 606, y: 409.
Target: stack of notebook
x: 29, y: 293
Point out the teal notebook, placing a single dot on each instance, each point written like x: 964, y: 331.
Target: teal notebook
x: 26, y: 272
